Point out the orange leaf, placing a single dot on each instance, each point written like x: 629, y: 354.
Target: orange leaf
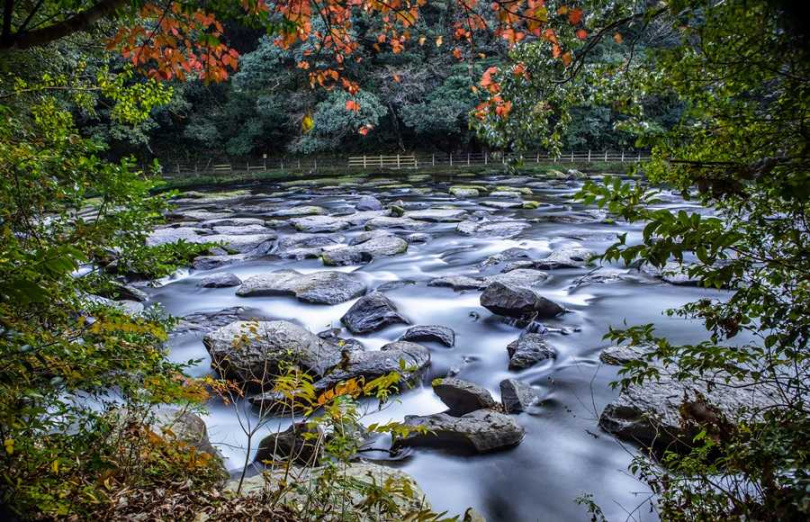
x: 582, y: 34
x: 618, y: 38
x: 575, y: 16
x: 352, y: 105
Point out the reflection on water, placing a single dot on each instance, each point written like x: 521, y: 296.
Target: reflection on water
x: 564, y: 453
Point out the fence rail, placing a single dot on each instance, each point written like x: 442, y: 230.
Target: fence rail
x: 398, y: 162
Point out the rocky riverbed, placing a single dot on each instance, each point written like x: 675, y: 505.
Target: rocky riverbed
x: 483, y: 287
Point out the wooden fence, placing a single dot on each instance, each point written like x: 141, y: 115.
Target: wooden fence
x: 396, y: 162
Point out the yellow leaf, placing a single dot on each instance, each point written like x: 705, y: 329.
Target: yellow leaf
x: 9, y: 445
x: 307, y: 123
x: 55, y: 466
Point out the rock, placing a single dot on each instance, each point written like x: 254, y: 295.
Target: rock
x: 298, y: 211
x: 122, y: 291
x: 255, y: 350
x: 462, y: 192
x: 518, y: 302
x: 198, y: 215
x: 368, y: 203
x: 515, y: 203
x: 407, y: 359
x: 405, y: 495
x: 517, y: 396
x: 221, y: 280
x: 618, y: 355
x: 394, y: 285
x: 510, y: 254
x: 459, y: 282
x: 650, y: 413
x: 361, y: 218
x: 233, y: 222
x: 318, y: 287
x: 526, y: 278
x: 568, y: 257
x: 437, y: 215
x: 472, y: 515
x: 462, y: 397
x: 241, y: 230
x: 526, y: 191
x: 482, y: 430
x: 209, y: 321
x: 292, y: 445
x: 302, y: 240
x: 504, y: 229
x: 673, y: 273
x: 365, y: 252
x: 505, y: 194
x: 319, y: 224
x: 529, y: 350
x: 129, y: 307
x: 184, y: 426
x: 371, y: 313
x: 432, y: 333
x: 163, y: 236
x: 333, y: 336
x: 255, y: 244
x: 395, y: 222
x: 418, y: 238
x: 216, y: 261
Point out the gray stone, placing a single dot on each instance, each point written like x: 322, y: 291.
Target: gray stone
x: 517, y: 396
x: 503, y: 229
x: 673, y: 273
x: 371, y: 313
x: 568, y: 257
x: 518, y: 302
x: 482, y: 430
x: 292, y: 445
x: 505, y: 194
x: 163, y: 236
x: 318, y: 287
x: 523, y: 277
x: 233, y: 222
x: 650, y: 413
x: 221, y: 280
x: 365, y: 252
x: 459, y: 282
x: 529, y: 350
x: 462, y: 192
x: 369, y: 203
x: 319, y: 224
x: 431, y: 333
x: 504, y: 204
x: 242, y: 230
x: 437, y: 215
x: 298, y: 211
x: 395, y: 222
x: 255, y: 350
x: 462, y: 397
x: 618, y: 355
x: 255, y: 244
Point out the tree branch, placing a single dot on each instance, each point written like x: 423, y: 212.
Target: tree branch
x: 78, y: 22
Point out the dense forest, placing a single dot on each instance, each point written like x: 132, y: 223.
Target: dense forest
x: 266, y: 350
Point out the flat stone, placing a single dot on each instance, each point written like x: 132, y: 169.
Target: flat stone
x: 368, y: 203
x: 319, y: 224
x: 526, y: 278
x: 318, y: 287
x: 221, y: 280
x: 437, y: 215
x: 459, y: 282
x: 430, y: 333
x: 395, y: 222
x: 365, y: 252
x: 233, y: 222
x: 462, y: 397
x: 163, y: 236
x: 529, y: 350
x: 243, y: 244
x: 619, y: 355
x: 462, y: 192
x: 502, y: 229
x: 673, y: 273
x: 371, y: 313
x: 482, y: 430
x: 307, y: 210
x: 517, y: 396
x: 568, y: 257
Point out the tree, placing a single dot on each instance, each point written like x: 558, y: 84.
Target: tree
x: 738, y: 73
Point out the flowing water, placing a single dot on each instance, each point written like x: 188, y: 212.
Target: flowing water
x: 564, y: 453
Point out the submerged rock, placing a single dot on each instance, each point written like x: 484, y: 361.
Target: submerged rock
x: 529, y: 350
x: 431, y: 333
x: 518, y: 302
x: 371, y: 313
x: 318, y: 287
x: 517, y: 396
x: 462, y: 397
x: 222, y: 280
x: 255, y: 350
x: 482, y: 430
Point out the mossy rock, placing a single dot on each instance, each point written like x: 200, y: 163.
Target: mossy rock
x: 522, y: 190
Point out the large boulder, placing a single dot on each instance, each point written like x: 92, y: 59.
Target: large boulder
x: 517, y: 301
x: 462, y: 397
x: 458, y: 283
x: 624, y: 353
x: 183, y: 426
x: 502, y: 229
x: 368, y: 203
x: 517, y: 396
x: 166, y: 235
x: 377, y: 246
x: 524, y: 277
x: 529, y: 350
x: 256, y: 244
x: 371, y: 313
x: 299, y: 443
x: 482, y: 431
x: 318, y: 287
x: 430, y: 333
x: 256, y: 350
x: 651, y: 413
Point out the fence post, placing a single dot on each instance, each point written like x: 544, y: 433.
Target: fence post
x: 299, y: 163
x: 572, y: 156
x: 606, y: 156
x: 178, y: 168
x: 622, y: 155
x: 398, y: 164
x: 282, y: 165
x: 195, y: 170
x: 639, y: 157
x: 364, y: 161
x: 468, y: 159
x: 316, y: 164
x: 537, y: 157
x: 433, y: 160
x: 486, y: 158
x: 451, y: 159
x: 589, y: 155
